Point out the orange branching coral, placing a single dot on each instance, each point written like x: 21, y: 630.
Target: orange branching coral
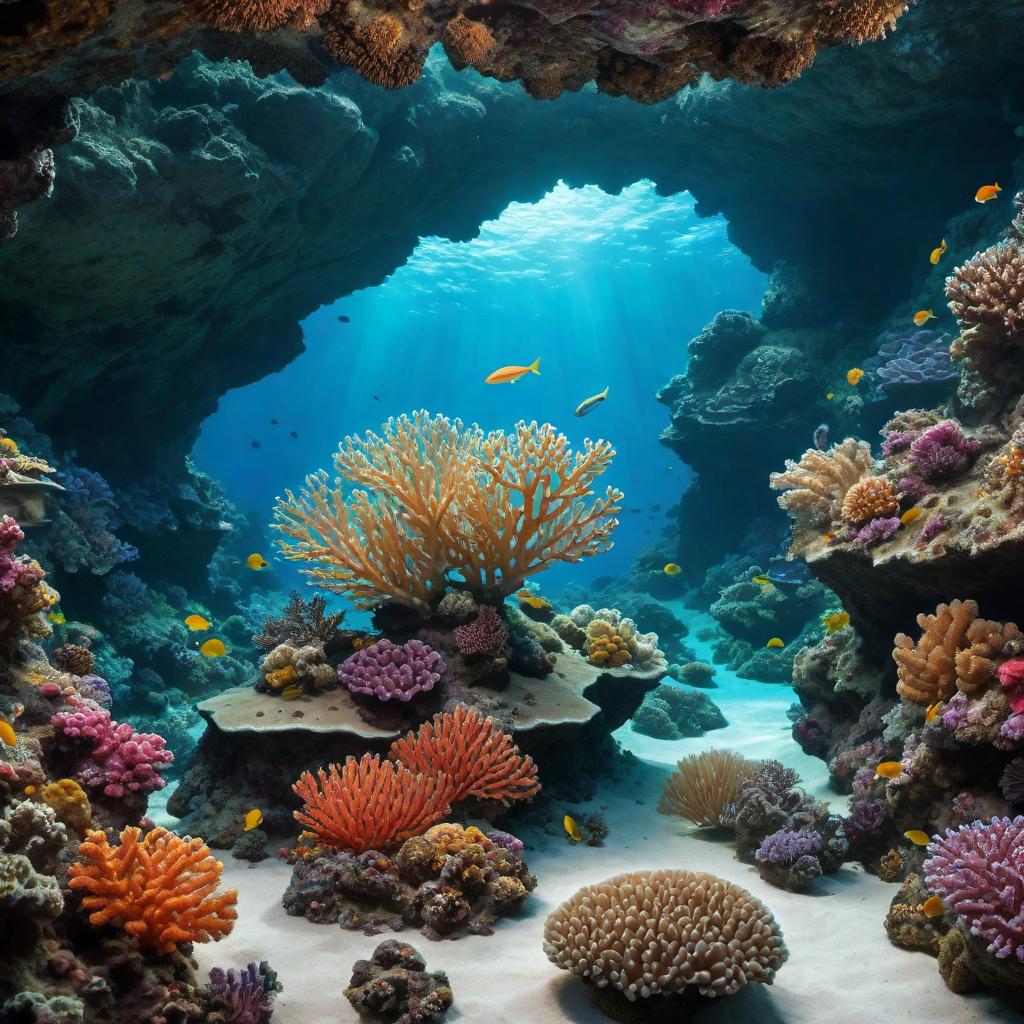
x: 956, y: 652
x: 465, y: 42
x: 380, y: 52
x: 371, y: 804
x: 259, y: 15
x: 871, y: 498
x: 159, y: 888
x: 480, y: 759
x: 441, y: 498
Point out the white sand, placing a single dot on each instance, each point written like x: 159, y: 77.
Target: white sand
x: 842, y: 968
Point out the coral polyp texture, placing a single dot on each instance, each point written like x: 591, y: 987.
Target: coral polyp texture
x: 653, y: 933
x: 989, y: 289
x: 704, y: 786
x: 160, y: 888
x: 428, y: 497
x: 391, y: 671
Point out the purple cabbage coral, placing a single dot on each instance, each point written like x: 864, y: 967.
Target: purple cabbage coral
x: 977, y: 871
x: 244, y: 997
x: 390, y: 671
x: 942, y: 451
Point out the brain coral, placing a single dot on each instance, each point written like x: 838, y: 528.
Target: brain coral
x: 652, y: 932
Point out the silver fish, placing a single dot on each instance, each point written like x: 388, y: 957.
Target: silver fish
x: 588, y: 404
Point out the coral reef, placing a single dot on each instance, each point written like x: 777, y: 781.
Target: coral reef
x: 657, y: 934
x: 395, y: 985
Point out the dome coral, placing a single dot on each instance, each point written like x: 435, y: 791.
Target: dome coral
x: 390, y: 671
x: 871, y: 498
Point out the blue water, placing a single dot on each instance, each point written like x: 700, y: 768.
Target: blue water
x: 606, y: 290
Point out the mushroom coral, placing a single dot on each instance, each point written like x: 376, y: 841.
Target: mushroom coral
x: 433, y: 497
x: 159, y: 887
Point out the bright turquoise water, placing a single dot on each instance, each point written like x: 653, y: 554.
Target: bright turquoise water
x: 606, y: 290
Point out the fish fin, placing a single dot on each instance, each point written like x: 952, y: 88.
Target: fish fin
x: 604, y: 394
x: 535, y: 366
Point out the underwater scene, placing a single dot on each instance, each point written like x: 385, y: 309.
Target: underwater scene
x: 511, y: 512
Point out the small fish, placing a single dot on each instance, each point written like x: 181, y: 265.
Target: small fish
x: 256, y: 562
x: 510, y: 374
x: 828, y: 537
x: 933, y: 906
x: 672, y: 569
x: 910, y: 515
x: 836, y: 621
x: 256, y: 444
x: 922, y: 316
x: 293, y: 433
x: 888, y: 770
x: 56, y: 617
x: 213, y: 648
x: 29, y: 790
x: 291, y: 693
x: 527, y: 597
x: 588, y: 404
x: 938, y: 253
x: 933, y: 712
x: 17, y: 711
x: 344, y: 319
x: 830, y: 395
x: 987, y: 193
x: 668, y: 469
x: 762, y: 580
x: 274, y: 422
x: 820, y: 436
x: 253, y: 819
x: 572, y: 830
x: 377, y: 398
x: 917, y: 837
x: 854, y: 375
x: 7, y: 734
x: 196, y: 623
x: 775, y: 643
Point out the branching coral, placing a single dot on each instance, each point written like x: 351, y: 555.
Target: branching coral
x: 442, y: 498
x: 704, y: 785
x: 815, y: 487
x: 160, y: 888
x: 303, y: 622
x: 653, y: 932
x: 989, y: 289
x: 472, y: 751
x: 871, y: 498
x: 390, y: 671
x: 370, y: 804
x: 978, y: 871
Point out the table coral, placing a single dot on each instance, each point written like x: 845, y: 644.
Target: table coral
x: 391, y: 671
x: 161, y: 889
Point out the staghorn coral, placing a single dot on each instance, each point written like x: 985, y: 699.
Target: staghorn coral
x: 653, y: 932
x: 871, y: 498
x: 160, y: 888
x: 522, y: 504
x: 814, y: 488
x: 704, y: 785
x: 303, y: 622
x: 394, y: 985
x: 390, y: 671
x: 988, y: 290
x: 473, y: 753
x: 370, y: 804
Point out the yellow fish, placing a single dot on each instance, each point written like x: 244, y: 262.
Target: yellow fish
x: 672, y: 569
x: 934, y: 710
x: 854, y: 375
x: 830, y: 395
x: 572, y: 830
x: 527, y: 597
x: 910, y: 515
x: 888, y: 770
x: 213, y: 648
x: 933, y: 906
x: 922, y: 316
x: 253, y: 819
x: 196, y: 623
x: 987, y: 193
x: 57, y: 618
x: 938, y: 253
x: 836, y: 621
x: 917, y: 837
x: 775, y: 642
x: 510, y: 374
x: 256, y: 562
x: 7, y: 734
x: 291, y: 693
x: 762, y: 580
x: 588, y: 404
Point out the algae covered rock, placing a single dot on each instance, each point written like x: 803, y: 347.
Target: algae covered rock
x: 394, y: 985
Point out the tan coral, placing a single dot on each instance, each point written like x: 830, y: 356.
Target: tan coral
x: 859, y: 21
x: 871, y: 498
x: 704, y: 785
x: 650, y: 932
x: 989, y: 289
x: 380, y: 51
x: 258, y: 15
x: 976, y: 665
x: 466, y: 42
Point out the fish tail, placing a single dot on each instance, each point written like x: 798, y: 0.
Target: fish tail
x: 535, y: 366
x: 604, y: 394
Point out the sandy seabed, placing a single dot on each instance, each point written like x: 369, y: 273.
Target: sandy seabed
x: 841, y: 969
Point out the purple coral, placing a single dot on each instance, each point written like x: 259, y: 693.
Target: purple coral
x: 506, y: 840
x: 910, y: 363
x: 877, y: 530
x: 486, y: 634
x: 787, y: 846
x: 390, y: 671
x: 866, y: 816
x: 977, y: 871
x: 934, y: 526
x: 244, y: 997
x: 896, y: 441
x: 942, y: 451
x: 111, y: 756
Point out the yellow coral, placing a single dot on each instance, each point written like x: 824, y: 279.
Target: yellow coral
x: 280, y: 677
x: 609, y: 650
x: 9, y: 445
x: 871, y: 498
x: 69, y: 803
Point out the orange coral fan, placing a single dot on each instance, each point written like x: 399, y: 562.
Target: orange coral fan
x: 871, y: 498
x: 259, y: 15
x: 371, y: 804
x: 465, y: 42
x: 160, y: 888
x: 481, y: 760
x: 380, y: 52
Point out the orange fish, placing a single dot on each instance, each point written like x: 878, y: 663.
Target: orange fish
x: 917, y: 837
x: 987, y: 193
x: 510, y: 374
x: 889, y: 770
x: 933, y: 712
x: 922, y: 316
x: 853, y: 376
x: 933, y: 906
x: 910, y: 515
x: 938, y: 253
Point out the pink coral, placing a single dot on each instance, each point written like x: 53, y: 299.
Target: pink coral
x: 15, y: 571
x: 391, y: 671
x: 977, y: 871
x: 486, y: 634
x: 112, y: 756
x: 1011, y: 676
